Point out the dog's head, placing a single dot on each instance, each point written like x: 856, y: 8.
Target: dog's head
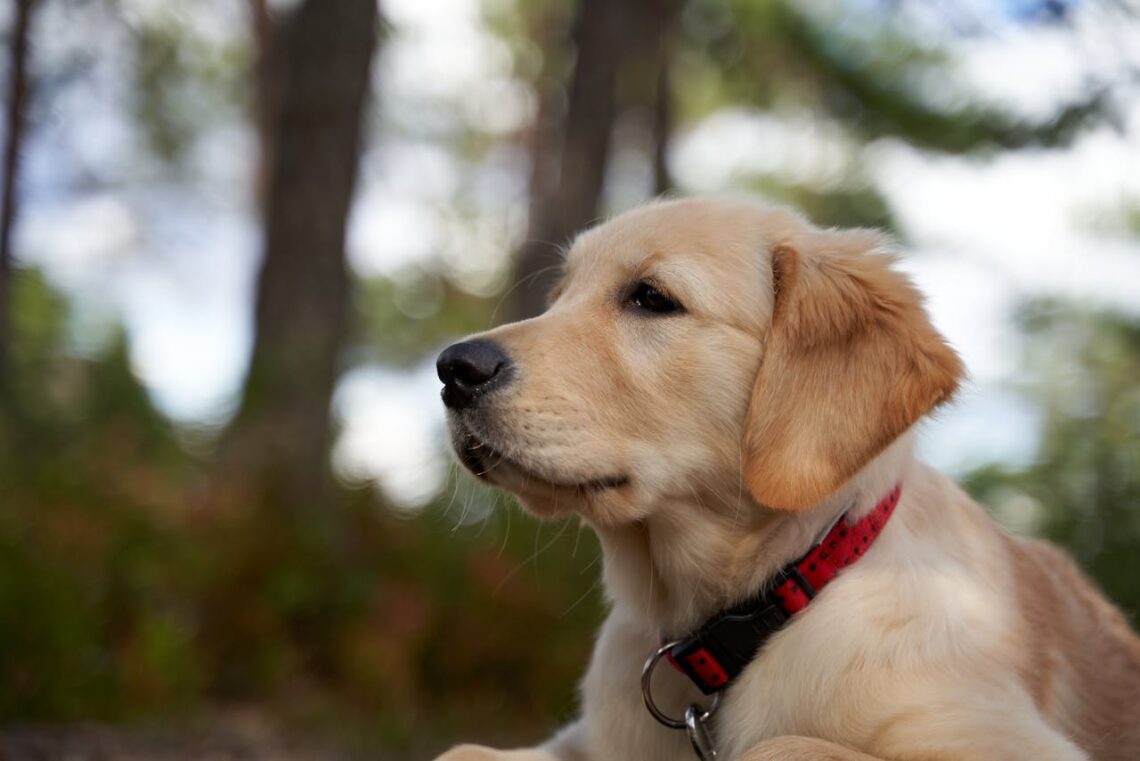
x: 698, y: 345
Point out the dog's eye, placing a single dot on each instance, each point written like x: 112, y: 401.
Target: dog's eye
x: 645, y: 297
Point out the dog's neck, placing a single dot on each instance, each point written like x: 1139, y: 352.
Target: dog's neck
x: 695, y: 556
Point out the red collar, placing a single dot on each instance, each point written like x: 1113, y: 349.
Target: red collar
x: 728, y: 641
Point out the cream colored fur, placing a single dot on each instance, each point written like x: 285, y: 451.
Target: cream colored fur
x: 784, y: 396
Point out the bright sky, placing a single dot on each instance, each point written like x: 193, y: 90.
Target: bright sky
x: 176, y: 262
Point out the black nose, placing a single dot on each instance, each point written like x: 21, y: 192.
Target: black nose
x: 469, y: 369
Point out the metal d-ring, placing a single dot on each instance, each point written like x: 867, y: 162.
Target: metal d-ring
x: 647, y: 693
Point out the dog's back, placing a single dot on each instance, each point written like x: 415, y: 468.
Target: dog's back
x: 1083, y: 660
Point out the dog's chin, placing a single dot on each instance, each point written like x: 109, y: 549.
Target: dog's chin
x: 540, y: 489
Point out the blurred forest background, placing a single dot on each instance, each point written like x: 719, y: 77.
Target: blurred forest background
x: 233, y: 236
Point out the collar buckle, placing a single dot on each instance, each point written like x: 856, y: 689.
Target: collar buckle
x: 716, y: 654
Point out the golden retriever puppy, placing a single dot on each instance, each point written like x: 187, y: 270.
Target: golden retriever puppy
x: 727, y: 396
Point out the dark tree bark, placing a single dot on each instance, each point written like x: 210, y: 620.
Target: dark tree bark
x: 261, y: 29
x: 661, y: 43
x: 314, y: 87
x: 570, y: 154
x: 569, y: 163
x: 15, y: 122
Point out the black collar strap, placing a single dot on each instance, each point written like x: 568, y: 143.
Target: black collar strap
x: 727, y: 642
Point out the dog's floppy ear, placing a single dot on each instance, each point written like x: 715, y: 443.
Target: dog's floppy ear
x: 851, y: 362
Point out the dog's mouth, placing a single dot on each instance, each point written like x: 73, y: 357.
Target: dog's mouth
x: 490, y: 464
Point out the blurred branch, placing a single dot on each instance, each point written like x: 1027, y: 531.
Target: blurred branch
x: 16, y: 120
x: 316, y: 81
x: 855, y: 205
x: 886, y: 108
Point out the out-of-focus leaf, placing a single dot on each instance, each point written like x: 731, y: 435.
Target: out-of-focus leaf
x: 1084, y: 368
x: 402, y: 321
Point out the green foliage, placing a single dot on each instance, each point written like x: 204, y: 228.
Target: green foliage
x: 124, y: 596
x: 1084, y: 488
x: 79, y: 445
x: 860, y: 69
x: 401, y: 320
x: 857, y: 206
x: 183, y: 82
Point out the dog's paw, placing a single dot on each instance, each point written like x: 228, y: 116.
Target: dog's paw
x: 471, y: 753
x: 793, y: 748
x: 480, y: 753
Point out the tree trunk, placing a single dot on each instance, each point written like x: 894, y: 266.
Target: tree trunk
x: 16, y: 118
x: 661, y: 44
x: 570, y: 163
x: 570, y: 158
x: 261, y: 29
x: 315, y: 82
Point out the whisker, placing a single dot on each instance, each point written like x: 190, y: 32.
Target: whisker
x: 486, y: 516
x: 523, y: 281
x: 649, y: 597
x: 533, y: 556
x: 490, y: 467
x: 581, y: 599
x: 593, y: 562
x: 506, y: 535
x: 455, y: 493
x: 739, y: 483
